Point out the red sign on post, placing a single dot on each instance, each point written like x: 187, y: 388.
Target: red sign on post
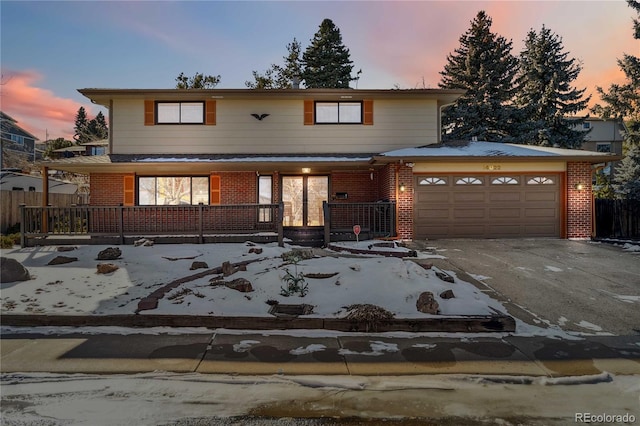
x: 356, y: 229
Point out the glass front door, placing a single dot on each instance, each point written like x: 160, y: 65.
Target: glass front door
x: 302, y: 197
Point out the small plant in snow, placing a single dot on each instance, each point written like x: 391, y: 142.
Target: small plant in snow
x: 296, y: 282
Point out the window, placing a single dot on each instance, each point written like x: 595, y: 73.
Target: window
x: 505, y: 180
x: 265, y: 196
x: 540, y: 180
x: 180, y: 112
x: 469, y: 181
x: 173, y: 190
x: 603, y: 147
x: 433, y: 181
x: 586, y: 126
x: 338, y: 112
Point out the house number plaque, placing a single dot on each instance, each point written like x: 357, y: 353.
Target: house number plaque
x: 492, y: 167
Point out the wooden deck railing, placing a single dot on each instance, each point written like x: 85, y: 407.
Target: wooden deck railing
x: 122, y: 221
x: 375, y: 219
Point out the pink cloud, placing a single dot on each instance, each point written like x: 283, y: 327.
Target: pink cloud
x: 37, y: 110
x: 411, y: 40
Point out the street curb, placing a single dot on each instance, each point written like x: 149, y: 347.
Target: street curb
x: 464, y: 324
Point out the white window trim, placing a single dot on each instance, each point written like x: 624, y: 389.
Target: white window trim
x: 183, y: 109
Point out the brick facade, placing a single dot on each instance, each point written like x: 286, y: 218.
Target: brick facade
x: 364, y: 186
x: 579, y: 201
x: 361, y: 186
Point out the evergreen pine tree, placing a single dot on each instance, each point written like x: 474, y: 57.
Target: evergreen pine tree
x: 80, y: 129
x: 198, y: 81
x: 326, y: 60
x: 280, y: 77
x: 622, y: 102
x: 97, y: 129
x: 483, y: 66
x: 547, y: 100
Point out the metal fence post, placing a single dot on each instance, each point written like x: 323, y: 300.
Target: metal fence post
x: 200, y: 224
x: 121, y: 223
x: 280, y: 224
x: 327, y: 223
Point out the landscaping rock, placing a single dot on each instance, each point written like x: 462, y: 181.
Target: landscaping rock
x: 255, y: 250
x: 227, y: 269
x: 107, y: 268
x: 444, y: 276
x: 110, y: 253
x: 66, y: 248
x: 143, y: 242
x: 61, y: 260
x: 427, y: 304
x: 148, y: 303
x: 447, y: 294
x: 299, y: 254
x: 240, y: 284
x: 199, y: 265
x: 11, y: 270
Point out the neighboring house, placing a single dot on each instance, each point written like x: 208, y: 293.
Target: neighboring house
x: 12, y: 181
x: 604, y: 136
x: 18, y: 145
x: 351, y: 148
x: 90, y: 148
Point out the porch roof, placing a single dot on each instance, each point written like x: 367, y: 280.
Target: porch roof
x: 204, y: 163
x: 480, y: 150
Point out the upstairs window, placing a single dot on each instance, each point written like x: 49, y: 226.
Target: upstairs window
x: 180, y: 112
x: 603, y: 147
x: 338, y: 112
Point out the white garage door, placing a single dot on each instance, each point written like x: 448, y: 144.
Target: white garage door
x: 487, y: 205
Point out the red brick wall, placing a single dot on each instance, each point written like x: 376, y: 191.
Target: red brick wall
x: 386, y: 181
x: 107, y: 189
x: 579, y: 202
x: 405, y: 203
x: 238, y: 187
x: 358, y: 185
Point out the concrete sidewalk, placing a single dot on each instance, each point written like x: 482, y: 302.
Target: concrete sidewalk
x: 259, y: 354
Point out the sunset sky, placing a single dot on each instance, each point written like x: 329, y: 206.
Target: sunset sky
x: 49, y: 49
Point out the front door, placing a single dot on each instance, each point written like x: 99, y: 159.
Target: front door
x: 302, y: 197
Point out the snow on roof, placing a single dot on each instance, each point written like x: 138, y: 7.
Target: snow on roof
x: 487, y: 149
x: 249, y: 158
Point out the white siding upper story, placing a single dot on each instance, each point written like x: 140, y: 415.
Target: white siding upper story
x: 401, y: 119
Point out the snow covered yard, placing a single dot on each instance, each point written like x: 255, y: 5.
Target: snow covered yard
x: 331, y: 283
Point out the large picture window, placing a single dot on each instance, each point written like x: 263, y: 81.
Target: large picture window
x: 173, y: 190
x: 180, y: 112
x: 338, y: 112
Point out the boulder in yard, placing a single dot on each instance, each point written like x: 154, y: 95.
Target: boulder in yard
x: 110, y: 253
x: 240, y: 284
x: 447, y: 294
x: 107, y: 268
x: 255, y: 250
x: 11, y: 270
x: 199, y: 265
x: 145, y: 242
x: 427, y: 304
x: 66, y: 248
x: 61, y: 260
x: 444, y: 276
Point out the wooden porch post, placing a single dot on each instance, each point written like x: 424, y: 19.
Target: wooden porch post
x: 280, y: 224
x: 45, y: 199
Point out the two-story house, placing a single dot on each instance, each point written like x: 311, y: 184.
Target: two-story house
x: 604, y: 136
x: 328, y: 155
x: 18, y: 145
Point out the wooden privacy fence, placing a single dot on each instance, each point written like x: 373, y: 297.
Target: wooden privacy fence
x: 617, y: 218
x: 10, y: 204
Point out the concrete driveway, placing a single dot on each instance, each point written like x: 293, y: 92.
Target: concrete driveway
x: 577, y: 285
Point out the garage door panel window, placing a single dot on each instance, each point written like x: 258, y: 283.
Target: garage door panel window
x: 540, y: 180
x: 505, y: 180
x: 433, y: 181
x: 469, y: 181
